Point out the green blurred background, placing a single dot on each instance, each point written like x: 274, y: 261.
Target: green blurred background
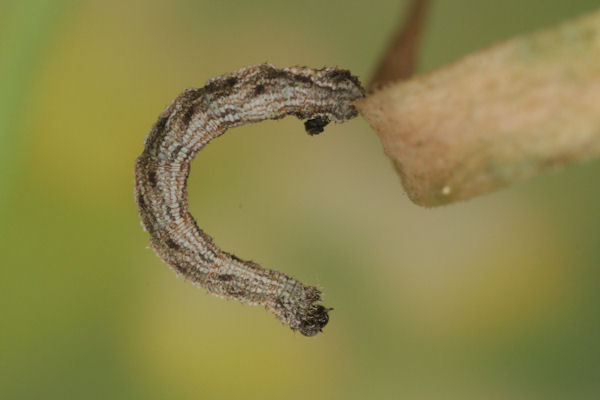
x: 494, y: 298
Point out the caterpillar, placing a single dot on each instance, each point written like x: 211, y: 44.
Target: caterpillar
x: 189, y: 123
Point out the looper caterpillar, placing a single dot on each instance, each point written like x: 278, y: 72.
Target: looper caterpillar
x: 195, y: 117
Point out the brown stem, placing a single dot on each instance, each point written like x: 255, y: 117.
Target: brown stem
x: 400, y: 59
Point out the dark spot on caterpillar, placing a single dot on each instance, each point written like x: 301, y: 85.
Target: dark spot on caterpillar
x: 172, y: 245
x: 235, y: 291
x: 141, y: 202
x: 187, y: 116
x: 192, y: 94
x: 225, y: 277
x: 280, y: 303
x: 258, y: 90
x: 231, y: 81
x: 161, y: 123
x: 339, y: 75
x: 273, y: 74
x: 179, y: 268
x: 302, y: 78
x: 213, y: 86
x: 342, y: 75
x: 316, y: 125
x: 152, y: 178
x: 223, y: 86
x: 236, y: 258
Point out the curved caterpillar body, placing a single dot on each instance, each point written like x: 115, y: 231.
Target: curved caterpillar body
x: 195, y: 117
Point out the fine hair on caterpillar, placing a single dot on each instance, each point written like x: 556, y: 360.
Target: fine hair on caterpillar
x: 193, y: 119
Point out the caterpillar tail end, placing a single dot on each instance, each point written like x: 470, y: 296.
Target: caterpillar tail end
x: 315, y: 320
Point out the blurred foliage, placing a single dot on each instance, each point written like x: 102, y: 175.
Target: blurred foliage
x: 495, y: 298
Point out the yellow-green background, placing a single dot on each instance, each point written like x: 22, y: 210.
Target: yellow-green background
x: 495, y: 298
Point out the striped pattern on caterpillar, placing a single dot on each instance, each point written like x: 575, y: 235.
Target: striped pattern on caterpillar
x: 193, y: 119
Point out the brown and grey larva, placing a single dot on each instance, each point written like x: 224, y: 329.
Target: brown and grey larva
x: 193, y: 119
